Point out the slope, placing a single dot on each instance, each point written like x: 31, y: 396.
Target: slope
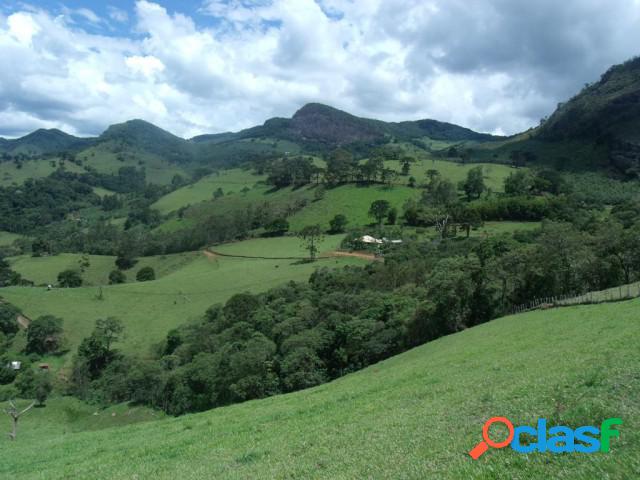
x: 187, y: 285
x: 45, y: 141
x: 412, y: 416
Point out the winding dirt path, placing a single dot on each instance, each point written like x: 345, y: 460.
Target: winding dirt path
x: 209, y: 255
x: 365, y: 256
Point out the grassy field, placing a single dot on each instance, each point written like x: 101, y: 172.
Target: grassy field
x: 44, y: 270
x: 9, y: 173
x: 158, y: 170
x: 64, y: 416
x: 188, y: 285
x: 490, y: 229
x: 413, y: 416
x: 351, y: 200
x: 230, y: 181
x: 7, y: 238
x: 494, y: 174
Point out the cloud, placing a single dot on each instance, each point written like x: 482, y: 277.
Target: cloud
x: 492, y: 65
x: 117, y: 14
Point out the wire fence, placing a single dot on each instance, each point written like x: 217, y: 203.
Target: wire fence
x: 615, y: 294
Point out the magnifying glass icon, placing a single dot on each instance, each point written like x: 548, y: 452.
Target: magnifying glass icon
x: 483, y: 446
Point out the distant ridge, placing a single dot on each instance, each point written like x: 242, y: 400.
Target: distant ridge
x: 45, y: 141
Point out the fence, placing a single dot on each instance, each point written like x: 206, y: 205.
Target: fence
x: 615, y: 294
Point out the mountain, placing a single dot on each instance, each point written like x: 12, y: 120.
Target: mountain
x: 45, y: 141
x: 321, y: 125
x: 144, y: 136
x: 606, y: 112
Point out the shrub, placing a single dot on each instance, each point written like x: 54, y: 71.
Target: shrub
x: 70, y: 279
x: 146, y: 274
x: 116, y: 277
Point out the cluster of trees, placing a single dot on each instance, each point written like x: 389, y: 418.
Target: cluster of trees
x: 42, y: 201
x: 529, y: 196
x: 291, y: 171
x: 44, y: 336
x: 303, y: 334
x: 341, y: 167
x: 9, y: 277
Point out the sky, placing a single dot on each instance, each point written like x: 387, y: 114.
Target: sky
x: 209, y: 66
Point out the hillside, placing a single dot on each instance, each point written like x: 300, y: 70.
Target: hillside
x: 148, y: 138
x: 320, y: 125
x: 186, y: 285
x: 313, y: 128
x: 605, y: 112
x: 415, y: 415
x: 44, y: 141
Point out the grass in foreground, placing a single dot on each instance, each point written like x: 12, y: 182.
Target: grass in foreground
x: 413, y: 416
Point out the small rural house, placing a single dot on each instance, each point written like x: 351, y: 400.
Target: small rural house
x: 372, y: 240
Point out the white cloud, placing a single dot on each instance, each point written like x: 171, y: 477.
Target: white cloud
x: 22, y: 27
x: 492, y: 65
x: 148, y: 66
x: 117, y: 14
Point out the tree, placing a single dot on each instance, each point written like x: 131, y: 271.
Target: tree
x: 406, y: 166
x: 8, y: 316
x: 218, y: 193
x: 338, y: 223
x: 392, y: 216
x: 311, y: 235
x: 379, y: 209
x: 125, y: 262
x: 341, y: 166
x: 26, y: 383
x: 412, y: 182
x: 116, y: 277
x: 109, y: 330
x: 44, y: 335
x: 177, y: 181
x: 277, y: 227
x: 42, y: 387
x: 474, y: 185
x: 439, y: 193
x: 95, y: 353
x: 319, y: 193
x: 15, y: 414
x: 432, y: 174
x: 518, y: 183
x: 146, y: 274
x: 70, y: 279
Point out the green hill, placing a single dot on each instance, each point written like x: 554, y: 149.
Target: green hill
x: 606, y: 112
x: 415, y: 415
x: 322, y: 126
x: 597, y: 129
x: 149, y: 138
x: 45, y: 141
x: 187, y: 284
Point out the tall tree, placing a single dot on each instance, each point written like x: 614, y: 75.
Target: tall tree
x: 379, y: 210
x: 474, y: 185
x: 311, y: 235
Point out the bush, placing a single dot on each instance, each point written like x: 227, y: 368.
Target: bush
x: 44, y: 335
x: 277, y: 227
x: 146, y: 274
x: 70, y: 279
x: 125, y: 263
x: 338, y: 223
x: 8, y: 322
x: 116, y: 277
